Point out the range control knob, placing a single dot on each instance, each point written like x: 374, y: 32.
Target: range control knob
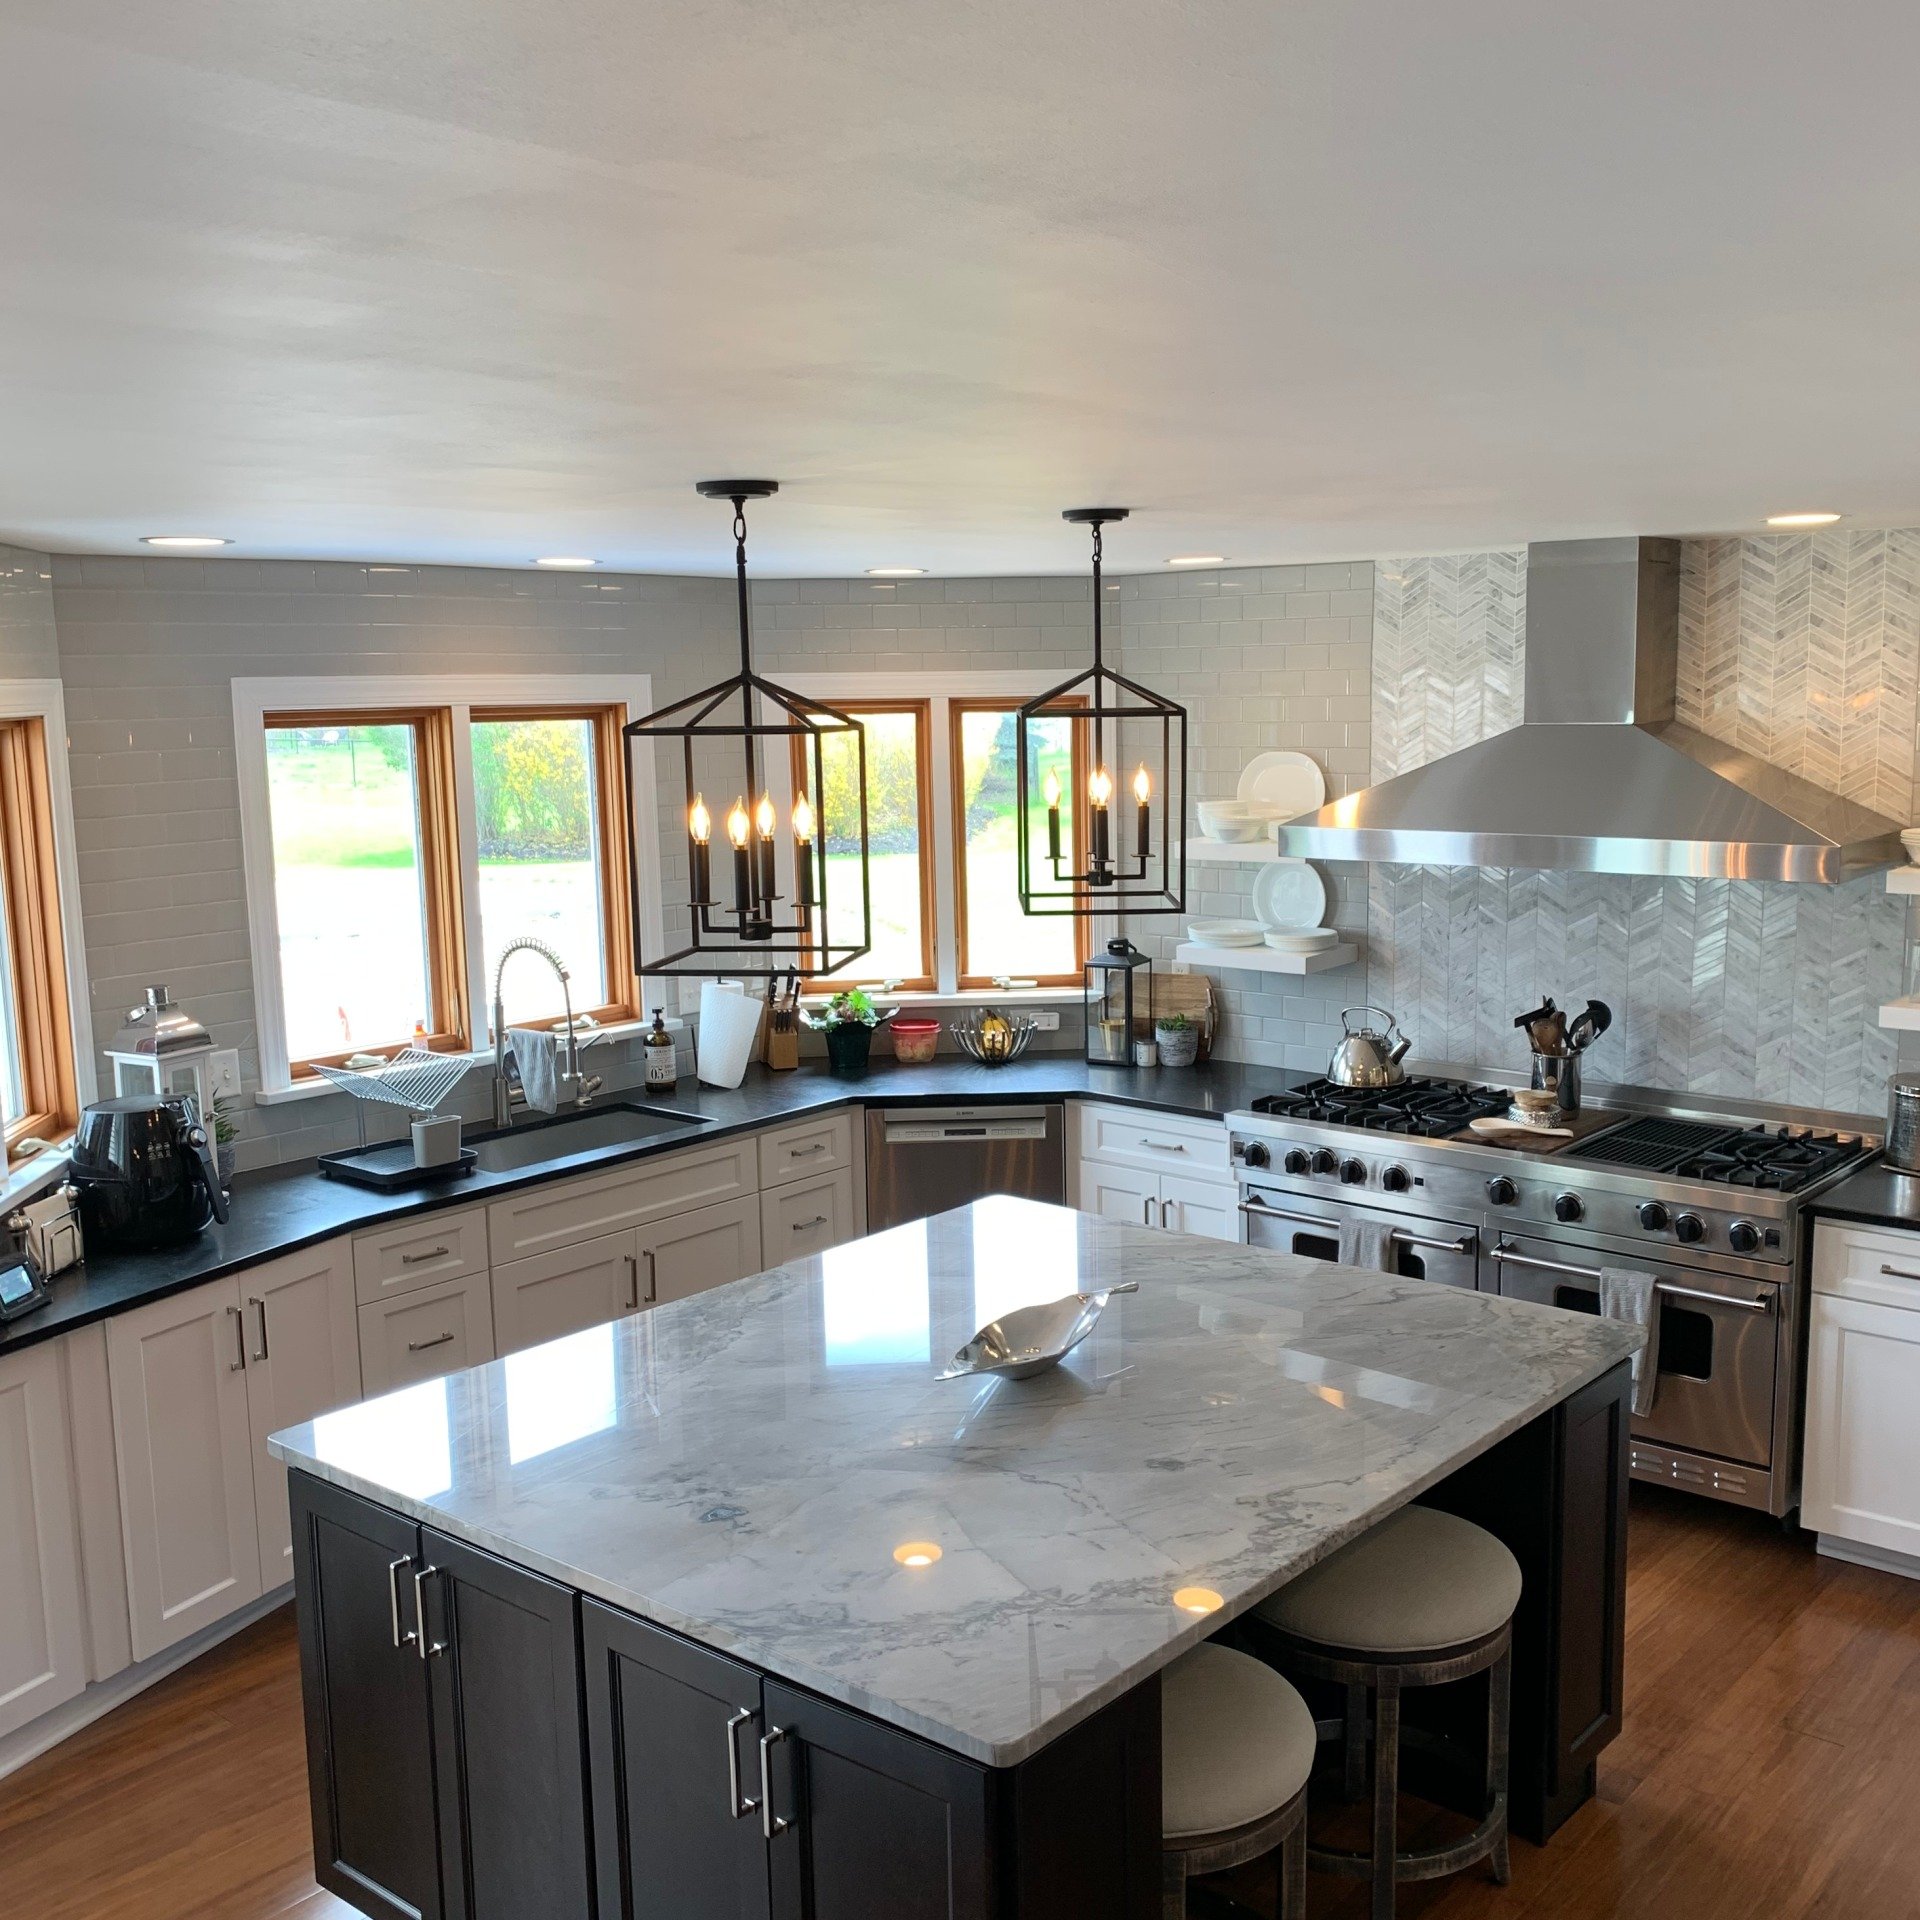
x: 1325, y: 1160
x: 1689, y: 1227
x: 1653, y: 1216
x: 1353, y: 1173
x: 1255, y: 1154
x: 1501, y: 1191
x: 1567, y: 1207
x: 1295, y: 1162
x: 1743, y: 1236
x: 1396, y: 1179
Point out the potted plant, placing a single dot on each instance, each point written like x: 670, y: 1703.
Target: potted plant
x: 847, y: 1021
x: 1178, y: 1038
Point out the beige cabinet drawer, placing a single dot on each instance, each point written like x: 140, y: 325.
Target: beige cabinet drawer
x: 806, y: 1148
x: 695, y: 1251
x: 557, y: 1293
x: 567, y: 1212
x: 806, y: 1215
x: 1878, y: 1265
x: 435, y: 1329
x: 389, y: 1260
x: 1136, y: 1137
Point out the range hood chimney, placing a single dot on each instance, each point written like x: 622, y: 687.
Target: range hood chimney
x: 1600, y: 777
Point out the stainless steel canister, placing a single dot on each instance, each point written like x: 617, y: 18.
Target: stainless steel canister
x: 1902, y: 1149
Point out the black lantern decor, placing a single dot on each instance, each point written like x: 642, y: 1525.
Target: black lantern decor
x: 758, y: 906
x: 1119, y: 991
x: 1122, y: 857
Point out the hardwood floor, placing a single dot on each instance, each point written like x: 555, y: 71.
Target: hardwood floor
x: 1768, y: 1765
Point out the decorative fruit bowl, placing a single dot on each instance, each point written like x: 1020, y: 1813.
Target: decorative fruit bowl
x: 991, y: 1037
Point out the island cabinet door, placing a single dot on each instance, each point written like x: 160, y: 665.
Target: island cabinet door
x: 509, y: 1736
x: 673, y: 1733
x: 868, y: 1821
x: 364, y: 1691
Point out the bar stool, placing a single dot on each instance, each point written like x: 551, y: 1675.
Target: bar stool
x: 1423, y: 1598
x: 1236, y: 1746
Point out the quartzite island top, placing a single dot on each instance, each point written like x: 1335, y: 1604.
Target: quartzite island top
x: 762, y: 1466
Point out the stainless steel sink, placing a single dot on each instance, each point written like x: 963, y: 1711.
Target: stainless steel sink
x: 569, y: 1136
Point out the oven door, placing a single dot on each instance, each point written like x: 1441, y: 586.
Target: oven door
x: 1718, y: 1346
x: 1422, y: 1249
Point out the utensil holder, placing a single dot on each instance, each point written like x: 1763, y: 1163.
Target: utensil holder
x: 1559, y: 1075
x: 436, y: 1140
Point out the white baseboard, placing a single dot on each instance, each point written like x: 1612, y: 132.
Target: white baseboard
x: 41, y: 1735
x: 1861, y: 1555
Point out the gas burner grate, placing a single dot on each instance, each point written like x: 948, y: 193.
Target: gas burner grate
x: 1429, y: 1109
x: 1656, y: 1145
x: 1770, y: 1159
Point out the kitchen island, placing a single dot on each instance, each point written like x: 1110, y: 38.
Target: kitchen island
x: 734, y: 1609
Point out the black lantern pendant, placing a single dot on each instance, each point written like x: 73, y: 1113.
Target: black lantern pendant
x: 759, y: 907
x: 1119, y: 993
x: 1125, y: 859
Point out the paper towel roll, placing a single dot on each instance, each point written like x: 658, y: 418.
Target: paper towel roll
x: 729, y: 1020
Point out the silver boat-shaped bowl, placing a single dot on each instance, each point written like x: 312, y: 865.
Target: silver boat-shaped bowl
x: 1031, y: 1339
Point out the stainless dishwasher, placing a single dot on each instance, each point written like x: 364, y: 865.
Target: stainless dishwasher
x: 923, y: 1160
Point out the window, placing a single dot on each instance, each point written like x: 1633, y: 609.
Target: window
x: 396, y: 847
x: 940, y: 817
x: 43, y: 1081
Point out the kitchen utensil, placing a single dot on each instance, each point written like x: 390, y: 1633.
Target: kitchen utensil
x: 144, y: 1170
x: 1367, y: 1058
x: 1226, y: 933
x: 1029, y: 1340
x: 1303, y: 940
x: 1587, y: 1027
x: 1538, y: 1026
x: 1289, y: 896
x: 1235, y: 820
x: 1902, y: 1148
x: 991, y: 1037
x: 1287, y: 780
x: 1491, y: 1126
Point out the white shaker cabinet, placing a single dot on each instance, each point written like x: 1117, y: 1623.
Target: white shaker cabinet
x: 807, y: 1216
x: 1126, y: 1194
x: 433, y: 1330
x: 1156, y: 1170
x: 562, y: 1291
x: 697, y: 1250
x: 42, y: 1646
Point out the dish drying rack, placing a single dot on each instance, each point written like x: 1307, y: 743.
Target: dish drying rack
x: 415, y: 1079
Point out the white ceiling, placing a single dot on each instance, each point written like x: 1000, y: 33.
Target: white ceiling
x: 475, y: 280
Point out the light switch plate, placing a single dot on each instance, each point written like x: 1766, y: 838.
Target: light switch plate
x: 223, y: 1073
x: 1046, y: 1019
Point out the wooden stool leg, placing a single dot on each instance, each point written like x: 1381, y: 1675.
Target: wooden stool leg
x: 1499, y: 1707
x: 1293, y: 1875
x: 1386, y: 1789
x: 1354, y: 1742
x: 1173, y: 1887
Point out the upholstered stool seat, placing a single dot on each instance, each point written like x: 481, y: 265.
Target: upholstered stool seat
x: 1422, y: 1599
x: 1236, y: 1745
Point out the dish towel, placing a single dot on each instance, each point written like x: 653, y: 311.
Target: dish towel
x: 536, y: 1058
x: 1629, y: 1295
x: 1367, y: 1244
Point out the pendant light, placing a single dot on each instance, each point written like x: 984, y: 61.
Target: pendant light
x: 1092, y: 862
x: 761, y: 906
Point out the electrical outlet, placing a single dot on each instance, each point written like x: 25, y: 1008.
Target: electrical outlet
x: 1046, y: 1019
x: 223, y: 1074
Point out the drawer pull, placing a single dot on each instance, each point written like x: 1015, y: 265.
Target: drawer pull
x: 420, y: 1346
x: 422, y: 1645
x: 1898, y: 1273
x: 804, y: 1226
x: 432, y: 1253
x: 238, y: 1364
x: 1163, y: 1146
x: 738, y: 1803
x: 633, y: 1282
x: 770, y: 1822
x: 807, y: 1153
x: 393, y: 1601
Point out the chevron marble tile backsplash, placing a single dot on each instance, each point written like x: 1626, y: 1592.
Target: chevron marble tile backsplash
x: 1803, y: 649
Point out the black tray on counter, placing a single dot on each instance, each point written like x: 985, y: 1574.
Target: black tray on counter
x: 389, y: 1168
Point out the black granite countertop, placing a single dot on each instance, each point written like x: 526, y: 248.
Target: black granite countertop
x: 292, y: 1207
x: 1876, y: 1196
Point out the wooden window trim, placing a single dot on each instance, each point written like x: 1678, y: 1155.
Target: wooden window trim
x: 957, y: 710
x: 433, y: 756
x: 922, y: 711
x: 42, y: 1009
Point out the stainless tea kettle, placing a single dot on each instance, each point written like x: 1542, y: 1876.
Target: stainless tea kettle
x: 1366, y: 1058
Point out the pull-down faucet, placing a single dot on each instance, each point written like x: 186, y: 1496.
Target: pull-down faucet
x: 574, y: 1089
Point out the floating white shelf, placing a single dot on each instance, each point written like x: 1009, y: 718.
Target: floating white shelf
x: 1896, y: 1013
x: 1899, y: 879
x: 1266, y: 960
x: 1231, y: 852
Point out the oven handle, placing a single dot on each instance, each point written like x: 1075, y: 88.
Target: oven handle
x: 1400, y: 1235
x: 1762, y: 1303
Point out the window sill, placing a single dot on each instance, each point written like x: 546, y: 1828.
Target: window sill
x: 28, y: 1178
x: 972, y: 997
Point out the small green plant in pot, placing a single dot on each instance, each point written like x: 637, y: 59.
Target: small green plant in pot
x: 1178, y: 1038
x: 847, y: 1021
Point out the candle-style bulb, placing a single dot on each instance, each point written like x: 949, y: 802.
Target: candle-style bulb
x: 1050, y: 787
x: 699, y: 820
x: 763, y: 817
x: 803, y: 819
x: 737, y: 823
x: 1100, y: 786
x: 1142, y: 785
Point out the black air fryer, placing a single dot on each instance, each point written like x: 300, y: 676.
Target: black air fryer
x: 145, y: 1173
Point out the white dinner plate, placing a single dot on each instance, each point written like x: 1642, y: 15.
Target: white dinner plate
x: 1289, y: 896
x: 1302, y: 940
x: 1226, y: 933
x: 1290, y: 781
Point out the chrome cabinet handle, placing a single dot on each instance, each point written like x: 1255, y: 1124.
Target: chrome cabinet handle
x: 807, y: 1153
x: 438, y: 1340
x: 393, y: 1600
x: 238, y: 1364
x: 1898, y: 1273
x: 1164, y: 1206
x: 770, y: 1823
x: 738, y: 1804
x: 432, y: 1253
x: 1162, y: 1146
x: 633, y: 1281
x: 653, y: 1276
x: 427, y: 1648
x: 1146, y: 1211
x: 254, y: 1300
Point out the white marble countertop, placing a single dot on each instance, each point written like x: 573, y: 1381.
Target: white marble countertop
x: 747, y: 1465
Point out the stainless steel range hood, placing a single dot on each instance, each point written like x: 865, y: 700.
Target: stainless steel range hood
x: 1599, y: 777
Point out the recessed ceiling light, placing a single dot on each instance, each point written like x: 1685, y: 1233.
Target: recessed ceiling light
x: 183, y: 540
x: 565, y: 560
x: 894, y: 573
x: 1197, y: 560
x: 1801, y: 519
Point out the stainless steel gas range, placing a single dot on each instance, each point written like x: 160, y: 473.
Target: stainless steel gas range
x: 1712, y: 1207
